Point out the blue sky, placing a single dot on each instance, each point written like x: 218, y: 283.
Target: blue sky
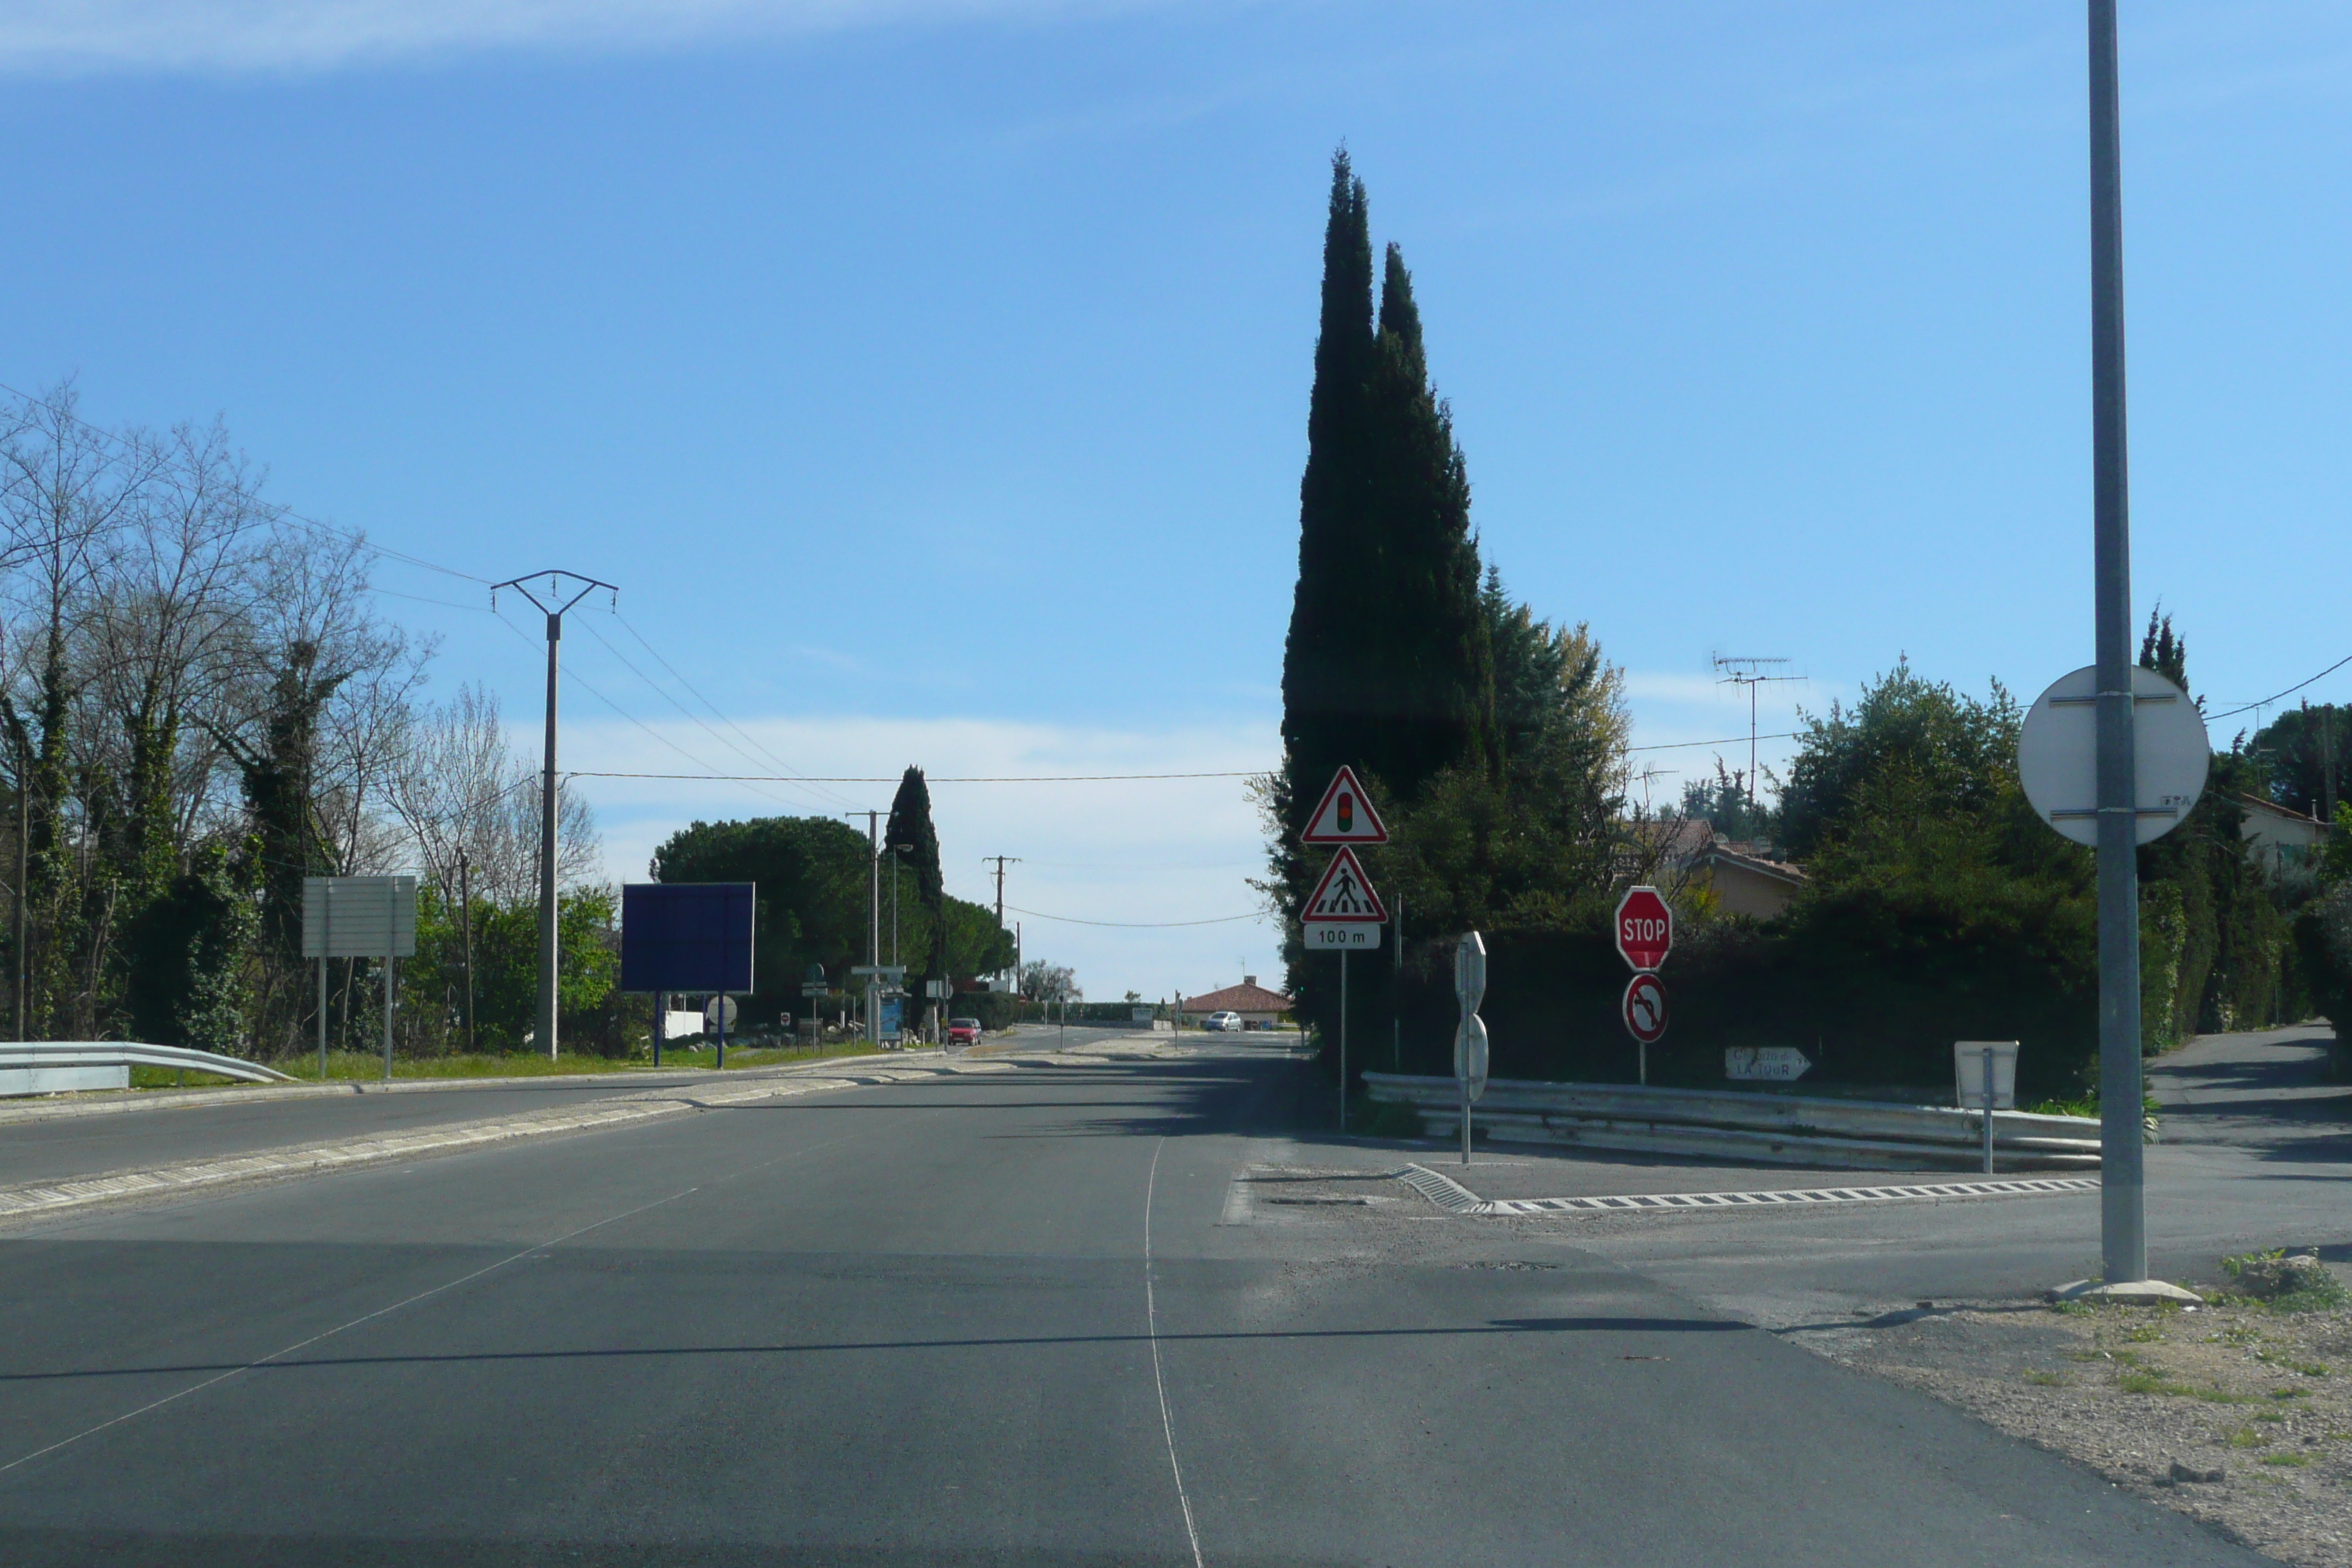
x: 931, y: 376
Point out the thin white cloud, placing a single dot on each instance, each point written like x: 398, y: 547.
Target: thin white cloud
x: 237, y: 35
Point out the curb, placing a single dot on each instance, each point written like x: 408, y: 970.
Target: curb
x: 33, y: 1199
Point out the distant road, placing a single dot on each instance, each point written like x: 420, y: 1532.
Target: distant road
x: 1136, y: 1308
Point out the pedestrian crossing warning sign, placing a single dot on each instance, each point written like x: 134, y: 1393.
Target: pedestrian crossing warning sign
x: 1345, y: 893
x: 1344, y: 815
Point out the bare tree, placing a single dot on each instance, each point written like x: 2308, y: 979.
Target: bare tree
x: 462, y: 785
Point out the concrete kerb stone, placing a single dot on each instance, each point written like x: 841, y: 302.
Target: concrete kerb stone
x: 2126, y: 1293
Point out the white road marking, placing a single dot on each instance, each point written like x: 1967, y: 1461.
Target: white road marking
x: 1456, y: 1198
x: 1151, y: 1324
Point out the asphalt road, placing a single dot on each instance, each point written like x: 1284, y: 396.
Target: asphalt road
x: 1067, y: 1315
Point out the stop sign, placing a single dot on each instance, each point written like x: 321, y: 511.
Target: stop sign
x: 1645, y: 928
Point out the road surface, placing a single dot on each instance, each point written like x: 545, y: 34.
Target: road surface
x: 1133, y: 1308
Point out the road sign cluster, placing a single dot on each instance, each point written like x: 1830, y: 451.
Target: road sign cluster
x: 1344, y: 915
x: 1645, y: 934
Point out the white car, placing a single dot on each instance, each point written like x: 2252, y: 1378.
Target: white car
x: 1223, y: 1021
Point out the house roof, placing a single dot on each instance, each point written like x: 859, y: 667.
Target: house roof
x: 2273, y: 808
x: 1239, y: 999
x: 1721, y: 853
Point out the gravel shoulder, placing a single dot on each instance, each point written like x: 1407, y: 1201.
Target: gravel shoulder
x: 2234, y: 1413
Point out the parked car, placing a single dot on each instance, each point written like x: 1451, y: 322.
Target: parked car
x: 1223, y: 1021
x: 963, y: 1031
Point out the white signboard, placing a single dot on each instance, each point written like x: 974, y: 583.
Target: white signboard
x: 1766, y: 1064
x: 358, y: 917
x: 1968, y: 1073
x: 2058, y: 763
x: 1340, y: 936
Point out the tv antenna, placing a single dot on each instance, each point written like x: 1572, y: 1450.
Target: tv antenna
x: 1751, y: 673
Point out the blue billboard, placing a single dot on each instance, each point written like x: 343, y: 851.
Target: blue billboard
x: 687, y: 936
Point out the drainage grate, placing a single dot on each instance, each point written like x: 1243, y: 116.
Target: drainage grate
x: 1456, y: 1198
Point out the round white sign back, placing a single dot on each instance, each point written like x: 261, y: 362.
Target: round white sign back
x: 2057, y: 754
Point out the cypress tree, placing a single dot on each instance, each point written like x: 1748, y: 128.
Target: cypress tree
x: 914, y: 841
x: 1324, y: 700
x: 1436, y: 663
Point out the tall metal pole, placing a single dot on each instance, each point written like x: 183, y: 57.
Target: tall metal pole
x: 1343, y: 1042
x: 1396, y: 995
x: 550, y: 592
x: 466, y: 918
x: 2123, y: 1236
x: 24, y: 871
x: 326, y: 944
x: 391, y: 980
x: 549, y: 923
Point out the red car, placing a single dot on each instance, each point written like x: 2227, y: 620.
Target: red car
x: 963, y: 1031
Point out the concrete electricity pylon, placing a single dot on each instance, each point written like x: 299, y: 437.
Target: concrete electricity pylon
x: 1002, y: 861
x: 552, y: 592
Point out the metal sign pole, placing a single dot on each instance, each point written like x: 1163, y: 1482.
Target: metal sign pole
x: 721, y: 1005
x: 391, y: 979
x: 1343, y: 1042
x: 1988, y: 1104
x: 1464, y: 1084
x: 326, y: 946
x: 2122, y: 1193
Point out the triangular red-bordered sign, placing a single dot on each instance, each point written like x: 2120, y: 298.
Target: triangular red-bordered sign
x: 1345, y: 893
x: 1345, y: 816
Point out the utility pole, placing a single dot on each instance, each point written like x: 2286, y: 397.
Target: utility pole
x: 1749, y: 673
x: 24, y: 871
x: 1002, y: 861
x: 2123, y: 1233
x: 466, y: 918
x: 874, y: 930
x: 2327, y: 762
x: 552, y: 593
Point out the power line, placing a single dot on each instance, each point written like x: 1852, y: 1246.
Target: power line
x: 1136, y: 925
x: 2290, y: 692
x: 695, y: 718
x: 640, y: 724
x: 284, y: 513
x: 1727, y: 740
x: 630, y: 627
x: 829, y: 778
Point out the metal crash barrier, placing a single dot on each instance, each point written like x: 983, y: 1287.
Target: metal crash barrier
x: 48, y: 1066
x: 1788, y: 1130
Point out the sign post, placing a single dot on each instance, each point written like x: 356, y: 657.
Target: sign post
x: 1470, y: 1037
x: 1343, y: 912
x: 1645, y: 934
x: 694, y: 937
x: 2116, y: 762
x: 358, y: 917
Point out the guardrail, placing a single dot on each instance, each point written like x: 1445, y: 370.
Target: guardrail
x: 1775, y: 1129
x: 17, y: 1054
